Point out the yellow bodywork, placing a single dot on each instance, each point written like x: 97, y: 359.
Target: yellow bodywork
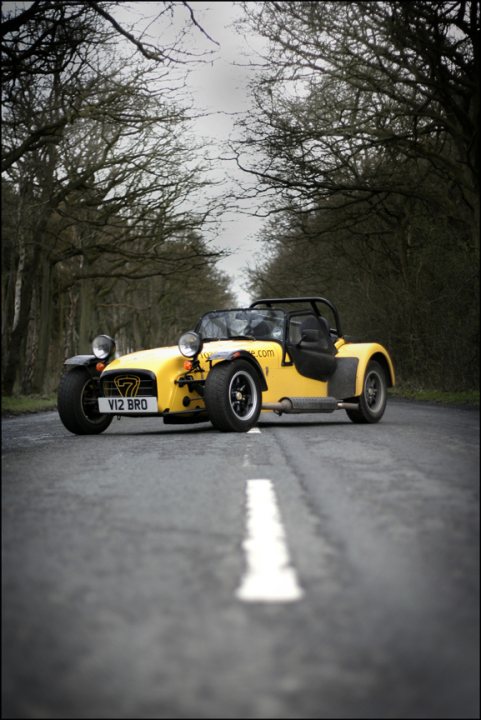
x: 167, y: 364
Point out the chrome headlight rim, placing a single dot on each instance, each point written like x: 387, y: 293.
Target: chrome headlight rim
x: 103, y: 346
x: 190, y: 344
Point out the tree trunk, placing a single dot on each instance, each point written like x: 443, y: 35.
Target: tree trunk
x: 30, y: 354
x: 44, y: 319
x: 85, y: 317
x: 23, y: 303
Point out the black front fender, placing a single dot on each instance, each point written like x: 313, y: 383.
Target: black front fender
x: 87, y: 361
x: 233, y: 355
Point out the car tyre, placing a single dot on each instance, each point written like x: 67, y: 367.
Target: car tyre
x: 77, y: 404
x: 233, y: 396
x: 373, y: 399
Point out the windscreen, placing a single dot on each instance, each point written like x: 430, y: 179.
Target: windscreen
x: 251, y: 324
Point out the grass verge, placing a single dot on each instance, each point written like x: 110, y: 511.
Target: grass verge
x: 18, y: 404
x: 467, y: 398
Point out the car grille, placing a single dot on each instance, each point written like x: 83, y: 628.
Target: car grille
x: 135, y: 383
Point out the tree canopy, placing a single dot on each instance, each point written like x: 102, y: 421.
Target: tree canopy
x: 365, y: 147
x: 102, y: 184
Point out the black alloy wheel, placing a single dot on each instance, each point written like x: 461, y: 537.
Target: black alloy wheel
x: 77, y: 403
x: 233, y: 396
x: 372, y: 401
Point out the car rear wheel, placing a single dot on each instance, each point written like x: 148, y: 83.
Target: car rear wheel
x: 77, y: 403
x: 233, y: 396
x: 372, y: 401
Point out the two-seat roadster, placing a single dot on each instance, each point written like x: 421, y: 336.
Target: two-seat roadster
x: 286, y: 355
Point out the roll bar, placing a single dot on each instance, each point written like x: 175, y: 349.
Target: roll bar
x: 312, y: 301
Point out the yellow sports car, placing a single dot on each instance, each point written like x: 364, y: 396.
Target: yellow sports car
x: 282, y: 355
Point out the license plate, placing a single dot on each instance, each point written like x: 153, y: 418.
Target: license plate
x: 128, y: 405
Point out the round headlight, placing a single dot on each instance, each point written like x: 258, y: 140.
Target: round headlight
x: 103, y: 346
x: 190, y: 344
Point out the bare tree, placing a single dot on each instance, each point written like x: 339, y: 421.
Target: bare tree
x: 97, y: 161
x: 74, y: 41
x: 365, y: 146
x: 349, y: 88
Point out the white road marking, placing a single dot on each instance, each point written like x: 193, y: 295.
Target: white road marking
x: 246, y: 462
x: 269, y: 575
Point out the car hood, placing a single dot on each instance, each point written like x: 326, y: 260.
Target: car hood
x: 144, y: 358
x: 157, y: 357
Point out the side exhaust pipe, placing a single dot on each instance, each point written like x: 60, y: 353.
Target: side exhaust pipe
x: 299, y: 405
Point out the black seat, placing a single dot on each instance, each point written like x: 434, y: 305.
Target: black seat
x: 314, y: 352
x: 318, y: 333
x: 261, y: 330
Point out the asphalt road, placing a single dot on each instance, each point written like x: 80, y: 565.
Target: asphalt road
x: 123, y: 555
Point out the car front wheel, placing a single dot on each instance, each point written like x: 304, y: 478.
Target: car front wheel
x: 233, y: 396
x: 77, y: 403
x: 372, y: 401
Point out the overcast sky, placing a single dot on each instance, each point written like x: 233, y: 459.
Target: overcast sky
x: 221, y: 88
